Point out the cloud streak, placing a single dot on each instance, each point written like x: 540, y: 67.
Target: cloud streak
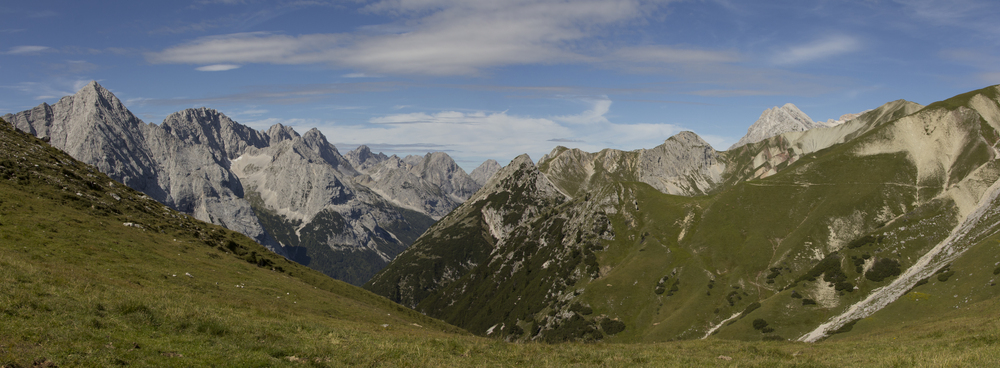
x: 26, y: 50
x: 217, y: 67
x: 817, y: 50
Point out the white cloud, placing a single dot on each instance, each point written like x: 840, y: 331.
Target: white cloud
x: 593, y: 116
x: 217, y: 67
x: 26, y: 50
x: 451, y: 37
x: 819, y: 49
x: 479, y: 135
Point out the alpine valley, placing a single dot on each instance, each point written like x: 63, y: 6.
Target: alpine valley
x: 802, y: 231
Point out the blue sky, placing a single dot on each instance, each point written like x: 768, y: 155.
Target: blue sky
x: 497, y: 78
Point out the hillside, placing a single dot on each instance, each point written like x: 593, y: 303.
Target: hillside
x: 884, y: 219
x: 96, y: 272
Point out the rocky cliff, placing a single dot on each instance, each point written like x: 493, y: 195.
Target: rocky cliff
x: 295, y: 194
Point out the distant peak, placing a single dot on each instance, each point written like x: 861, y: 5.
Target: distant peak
x: 279, y: 132
x: 775, y: 121
x: 522, y: 160
x: 94, y: 88
x: 688, y: 138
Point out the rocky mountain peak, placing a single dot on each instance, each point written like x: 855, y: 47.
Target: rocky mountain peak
x: 777, y: 120
x: 688, y: 139
x: 214, y: 129
x: 363, y: 159
x: 278, y: 133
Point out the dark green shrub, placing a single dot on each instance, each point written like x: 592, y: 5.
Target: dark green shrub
x: 844, y: 286
x: 673, y: 288
x: 759, y: 324
x: 796, y: 295
x: 996, y: 271
x: 612, y: 327
x: 581, y: 309
x: 808, y: 301
x: 945, y: 276
x: 766, y: 330
x: 882, y: 269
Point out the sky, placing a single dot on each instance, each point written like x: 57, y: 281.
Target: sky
x: 492, y: 79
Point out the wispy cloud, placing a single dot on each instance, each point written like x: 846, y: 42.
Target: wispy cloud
x: 448, y: 37
x: 820, y: 49
x: 27, y: 50
x: 217, y: 67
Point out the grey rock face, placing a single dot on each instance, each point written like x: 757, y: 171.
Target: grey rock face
x: 485, y: 171
x: 684, y: 164
x: 181, y: 164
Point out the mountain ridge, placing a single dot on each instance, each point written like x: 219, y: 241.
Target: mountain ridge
x: 801, y: 226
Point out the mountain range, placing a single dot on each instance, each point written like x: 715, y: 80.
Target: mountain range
x: 345, y: 215
x: 887, y: 218
x: 803, y: 231
x: 94, y: 273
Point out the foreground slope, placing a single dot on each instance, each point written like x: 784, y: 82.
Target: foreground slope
x: 803, y: 235
x: 93, y: 273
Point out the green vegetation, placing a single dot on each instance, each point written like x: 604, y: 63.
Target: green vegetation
x: 882, y: 269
